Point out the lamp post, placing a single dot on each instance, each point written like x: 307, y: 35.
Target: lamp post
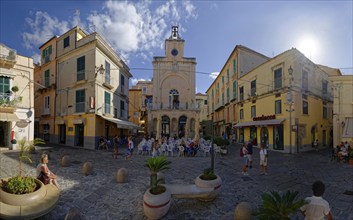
x: 290, y: 102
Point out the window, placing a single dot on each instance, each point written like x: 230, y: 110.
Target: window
x: 253, y: 111
x: 234, y: 90
x: 227, y: 75
x: 222, y: 98
x: 46, y: 105
x: 241, y: 92
x: 278, y: 107
x: 144, y: 90
x: 122, y: 83
x: 305, y: 80
x: 241, y: 112
x: 107, y: 73
x: 46, y: 54
x: 47, y: 78
x: 324, y: 112
x: 122, y: 109
x: 81, y: 68
x: 305, y: 107
x: 253, y: 88
x: 66, y: 41
x: 324, y: 88
x: 80, y: 100
x: 4, y: 85
x: 278, y: 78
x: 234, y: 65
x: 107, y: 102
x: 228, y: 94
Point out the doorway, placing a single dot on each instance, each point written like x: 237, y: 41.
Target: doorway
x: 278, y: 137
x: 62, y: 134
x: 79, y: 135
x: 264, y: 136
x: 181, y: 126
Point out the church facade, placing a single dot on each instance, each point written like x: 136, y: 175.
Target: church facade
x: 174, y: 109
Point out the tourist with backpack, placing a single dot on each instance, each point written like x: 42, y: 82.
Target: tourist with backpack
x: 263, y: 160
x: 244, y: 155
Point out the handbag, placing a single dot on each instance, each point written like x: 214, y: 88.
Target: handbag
x: 43, y: 178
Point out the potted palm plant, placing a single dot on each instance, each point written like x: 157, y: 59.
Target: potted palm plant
x: 156, y: 200
x: 279, y: 206
x: 13, y: 187
x: 208, y: 179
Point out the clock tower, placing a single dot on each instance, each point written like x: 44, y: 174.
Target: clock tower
x: 174, y: 111
x: 174, y: 46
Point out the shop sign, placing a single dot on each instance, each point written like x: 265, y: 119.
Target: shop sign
x: 264, y: 117
x: 22, y: 123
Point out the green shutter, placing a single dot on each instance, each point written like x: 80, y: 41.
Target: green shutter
x: 50, y: 49
x: 43, y: 53
x: 107, y: 98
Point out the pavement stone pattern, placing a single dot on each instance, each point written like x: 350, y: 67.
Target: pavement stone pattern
x: 99, y: 196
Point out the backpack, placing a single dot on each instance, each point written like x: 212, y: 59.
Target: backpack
x: 241, y: 152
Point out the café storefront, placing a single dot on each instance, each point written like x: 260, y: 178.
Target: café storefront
x: 265, y: 129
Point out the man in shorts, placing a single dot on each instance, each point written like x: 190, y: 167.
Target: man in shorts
x: 249, y: 148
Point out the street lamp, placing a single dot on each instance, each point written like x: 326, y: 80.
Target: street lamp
x: 99, y: 69
x: 290, y: 102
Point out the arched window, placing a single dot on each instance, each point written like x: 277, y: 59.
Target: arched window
x: 174, y: 99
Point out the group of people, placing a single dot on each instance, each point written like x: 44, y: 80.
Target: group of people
x: 190, y: 148
x: 246, y: 153
x: 342, y: 151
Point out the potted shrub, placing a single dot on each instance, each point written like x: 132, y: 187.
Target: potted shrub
x: 279, y: 206
x: 208, y: 179
x: 20, y: 184
x: 156, y: 200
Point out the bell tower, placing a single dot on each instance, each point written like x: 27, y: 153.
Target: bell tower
x: 174, y: 45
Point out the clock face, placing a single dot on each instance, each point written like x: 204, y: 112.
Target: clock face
x: 174, y: 52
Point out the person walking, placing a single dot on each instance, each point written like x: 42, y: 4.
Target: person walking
x: 317, y: 207
x: 244, y: 155
x: 316, y: 145
x: 130, y: 147
x: 250, y: 150
x: 263, y: 160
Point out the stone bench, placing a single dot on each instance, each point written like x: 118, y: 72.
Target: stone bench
x: 188, y: 191
x: 33, y: 210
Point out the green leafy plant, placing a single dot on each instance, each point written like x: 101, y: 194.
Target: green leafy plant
x: 19, y: 185
x: 22, y: 184
x: 14, y: 89
x: 208, y: 174
x: 276, y: 206
x: 155, y: 165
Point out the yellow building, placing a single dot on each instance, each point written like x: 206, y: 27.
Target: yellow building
x: 16, y: 97
x: 285, y: 103
x: 91, y: 84
x: 174, y: 111
x: 222, y: 94
x: 135, y: 105
x: 342, y: 109
x: 201, y: 103
x: 143, y: 102
x: 44, y: 92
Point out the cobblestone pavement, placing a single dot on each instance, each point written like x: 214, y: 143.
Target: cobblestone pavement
x: 99, y: 196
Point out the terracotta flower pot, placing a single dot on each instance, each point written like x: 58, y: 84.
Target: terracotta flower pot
x: 212, y: 184
x: 24, y: 199
x: 156, y: 206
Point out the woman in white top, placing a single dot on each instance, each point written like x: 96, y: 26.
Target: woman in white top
x: 43, y: 168
x: 263, y: 160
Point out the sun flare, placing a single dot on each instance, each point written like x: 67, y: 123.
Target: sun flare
x: 308, y: 45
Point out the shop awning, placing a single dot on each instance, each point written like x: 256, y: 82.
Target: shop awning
x: 122, y: 123
x: 259, y: 123
x: 6, y: 116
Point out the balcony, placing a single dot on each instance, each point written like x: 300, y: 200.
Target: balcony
x: 174, y: 106
x: 9, y: 100
x: 8, y: 57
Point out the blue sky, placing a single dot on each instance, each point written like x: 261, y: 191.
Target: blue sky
x: 322, y: 30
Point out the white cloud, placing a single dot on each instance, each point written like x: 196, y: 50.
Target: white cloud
x: 214, y: 75
x: 43, y: 27
x: 131, y: 28
x: 135, y: 80
x: 36, y: 58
